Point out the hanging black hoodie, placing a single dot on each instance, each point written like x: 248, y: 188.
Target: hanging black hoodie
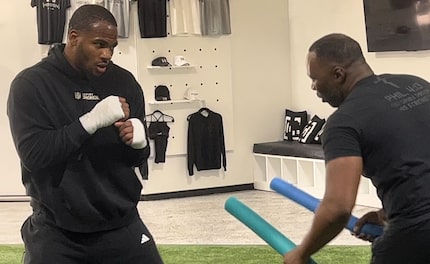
x: 79, y: 182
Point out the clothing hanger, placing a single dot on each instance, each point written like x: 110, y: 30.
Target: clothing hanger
x: 163, y: 116
x: 204, y: 111
x: 158, y: 116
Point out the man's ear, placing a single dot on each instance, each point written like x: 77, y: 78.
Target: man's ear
x: 73, y: 37
x: 339, y: 74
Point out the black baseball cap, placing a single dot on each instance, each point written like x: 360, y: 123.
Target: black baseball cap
x: 160, y: 61
x: 162, y: 93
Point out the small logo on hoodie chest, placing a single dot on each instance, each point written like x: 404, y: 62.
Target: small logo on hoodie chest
x: 86, y: 96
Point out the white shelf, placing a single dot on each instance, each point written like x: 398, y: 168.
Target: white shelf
x: 171, y: 67
x: 183, y: 101
x: 307, y: 174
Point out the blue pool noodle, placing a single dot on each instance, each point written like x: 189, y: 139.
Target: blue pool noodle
x: 258, y: 225
x: 311, y: 203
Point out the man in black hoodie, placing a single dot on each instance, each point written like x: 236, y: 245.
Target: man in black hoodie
x: 77, y: 121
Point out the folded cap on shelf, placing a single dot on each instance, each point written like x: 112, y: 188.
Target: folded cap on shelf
x: 191, y: 94
x: 160, y: 61
x: 180, y: 61
x: 162, y: 93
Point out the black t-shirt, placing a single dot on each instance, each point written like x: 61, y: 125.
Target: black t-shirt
x: 386, y: 121
x: 152, y: 16
x: 51, y: 18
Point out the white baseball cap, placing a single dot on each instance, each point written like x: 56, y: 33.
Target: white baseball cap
x: 180, y: 61
x: 191, y: 94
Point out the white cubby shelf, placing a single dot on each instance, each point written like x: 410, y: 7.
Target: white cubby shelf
x: 305, y: 173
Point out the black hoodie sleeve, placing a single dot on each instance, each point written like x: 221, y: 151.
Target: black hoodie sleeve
x: 38, y: 143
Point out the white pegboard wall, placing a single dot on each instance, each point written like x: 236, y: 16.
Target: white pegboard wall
x: 209, y: 73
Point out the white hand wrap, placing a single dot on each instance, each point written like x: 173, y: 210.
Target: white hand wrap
x: 104, y: 113
x: 139, y: 134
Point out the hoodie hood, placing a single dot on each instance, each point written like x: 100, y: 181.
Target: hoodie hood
x: 57, y: 59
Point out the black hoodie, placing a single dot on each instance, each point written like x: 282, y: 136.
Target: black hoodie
x: 81, y: 183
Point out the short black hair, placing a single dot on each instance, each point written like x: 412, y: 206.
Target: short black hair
x: 337, y: 48
x: 86, y: 15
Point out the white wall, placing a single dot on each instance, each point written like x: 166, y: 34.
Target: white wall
x: 18, y: 51
x: 260, y: 81
x: 268, y: 49
x: 311, y: 19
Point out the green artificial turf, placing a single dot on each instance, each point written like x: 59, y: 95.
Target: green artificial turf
x: 198, y: 254
x: 11, y: 254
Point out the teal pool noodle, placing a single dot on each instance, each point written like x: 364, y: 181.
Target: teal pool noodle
x: 258, y: 225
x: 312, y: 203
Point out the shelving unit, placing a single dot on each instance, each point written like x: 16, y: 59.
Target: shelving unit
x: 209, y: 74
x: 307, y: 174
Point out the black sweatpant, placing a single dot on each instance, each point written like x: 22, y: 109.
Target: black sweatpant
x: 47, y: 244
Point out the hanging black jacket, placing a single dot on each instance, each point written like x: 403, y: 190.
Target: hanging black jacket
x: 206, y: 147
x: 83, y: 183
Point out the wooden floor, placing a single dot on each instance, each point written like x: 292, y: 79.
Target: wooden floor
x: 201, y: 219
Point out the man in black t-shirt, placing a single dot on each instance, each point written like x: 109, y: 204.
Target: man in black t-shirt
x: 51, y: 18
x: 380, y: 130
